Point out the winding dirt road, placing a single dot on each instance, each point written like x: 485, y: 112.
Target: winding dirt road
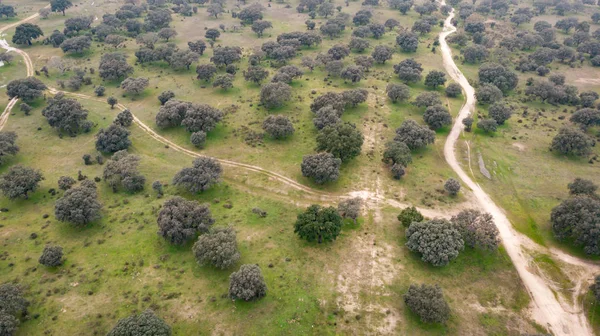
x: 547, y: 310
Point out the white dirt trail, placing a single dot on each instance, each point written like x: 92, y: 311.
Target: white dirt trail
x: 546, y: 310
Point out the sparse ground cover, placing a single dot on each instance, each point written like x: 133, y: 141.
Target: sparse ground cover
x: 353, y: 285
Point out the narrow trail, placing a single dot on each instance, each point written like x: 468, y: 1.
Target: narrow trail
x: 547, y: 309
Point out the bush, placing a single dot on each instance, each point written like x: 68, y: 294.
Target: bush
x: 581, y: 186
x: 79, y: 206
x: 52, y: 256
x: 477, y: 229
x: 350, y: 208
x: 247, y: 284
x: 318, y: 224
x: 452, y: 186
x: 198, y: 139
x: 322, y: 167
x: 488, y: 125
x: 146, y: 323
x: 410, y: 215
x: 12, y: 300
x: 343, y: 140
x: 576, y: 219
x: 218, y: 247
x: 437, y: 240
x: 278, y: 126
x: 180, y: 220
x: 398, y: 170
x: 66, y: 182
x: 122, y: 170
x: 397, y: 152
x: 571, y: 140
x: 204, y: 173
x: 453, y: 90
x: 112, y: 139
x: 428, y: 303
x: 19, y: 181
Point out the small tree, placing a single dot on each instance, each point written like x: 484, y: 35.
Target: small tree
x: 488, y: 94
x: 79, y: 206
x: 437, y: 240
x: 60, y: 5
x: 382, y: 53
x: 26, y: 32
x: 468, y: 122
x: 212, y: 34
x: 218, y: 247
x: 278, y: 126
x: 397, y: 92
x: 477, y: 229
x: 247, y: 284
x: 322, y: 167
x: 144, y: 323
x: 435, y: 78
x: 198, y: 139
x: 452, y: 186
x: 397, y: 152
x: 204, y: 173
x: 66, y: 182
x: 224, y: 81
x: 122, y: 170
x: 135, y: 86
x: 408, y: 41
x: 581, y: 186
x: 180, y: 220
x: 124, y: 118
x: 112, y: 139
x: 206, y: 72
x: 414, y: 135
x: 318, y: 224
x: 428, y: 303
x: 427, y: 99
x: 570, y: 140
x: 8, y: 146
x: 453, y: 90
x: 167, y: 33
x: 500, y: 112
x: 410, y: 215
x: 12, y: 300
x: 260, y: 26
x: 273, y: 95
x: 99, y: 90
x: 52, y: 256
x: 437, y: 116
x: 112, y: 101
x: 256, y: 74
x: 350, y: 208
x: 342, y: 140
x: 19, y: 181
x: 488, y: 125
x: 28, y: 89
x: 165, y: 96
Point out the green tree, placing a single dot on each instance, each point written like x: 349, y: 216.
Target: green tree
x: 318, y: 224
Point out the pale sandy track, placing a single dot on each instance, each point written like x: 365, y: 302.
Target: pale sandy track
x: 546, y: 308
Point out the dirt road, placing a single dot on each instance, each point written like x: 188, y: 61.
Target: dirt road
x: 546, y: 310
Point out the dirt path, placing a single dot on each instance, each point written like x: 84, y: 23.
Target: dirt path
x: 546, y: 310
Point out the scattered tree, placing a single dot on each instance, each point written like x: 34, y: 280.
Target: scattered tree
x: 144, y: 323
x: 217, y: 247
x: 437, y: 116
x: 204, y: 173
x: 477, y: 229
x: 181, y: 220
x: 66, y: 114
x: 52, y: 256
x: 278, y: 126
x: 274, y: 95
x: 437, y: 240
x: 581, y: 186
x: 322, y: 167
x: 414, y: 135
x: 452, y: 186
x: 428, y: 303
x: 28, y: 89
x: 26, y: 32
x: 247, y: 284
x: 342, y: 140
x: 79, y: 206
x: 112, y: 139
x: 571, y: 141
x: 318, y: 224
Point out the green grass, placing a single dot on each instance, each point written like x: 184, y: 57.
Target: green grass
x: 119, y: 265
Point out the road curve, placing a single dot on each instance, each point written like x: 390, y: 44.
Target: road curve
x: 546, y: 310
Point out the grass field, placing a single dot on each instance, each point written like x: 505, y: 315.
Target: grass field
x: 354, y: 285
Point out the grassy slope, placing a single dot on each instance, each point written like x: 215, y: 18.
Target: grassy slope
x: 120, y: 265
